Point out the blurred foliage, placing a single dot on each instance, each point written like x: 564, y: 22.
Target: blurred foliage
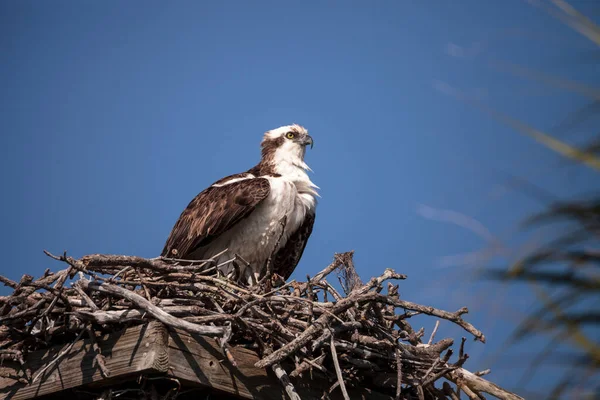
x: 564, y: 271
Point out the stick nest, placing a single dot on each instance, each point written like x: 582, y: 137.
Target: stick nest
x: 360, y: 338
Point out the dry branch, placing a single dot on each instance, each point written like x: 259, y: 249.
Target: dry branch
x: 151, y: 309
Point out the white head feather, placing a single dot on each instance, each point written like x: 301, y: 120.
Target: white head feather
x: 288, y: 157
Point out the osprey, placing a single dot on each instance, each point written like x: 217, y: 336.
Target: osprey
x: 262, y: 217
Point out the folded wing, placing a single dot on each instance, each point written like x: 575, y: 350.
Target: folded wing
x: 212, y: 212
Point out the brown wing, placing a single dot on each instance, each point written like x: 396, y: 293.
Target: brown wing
x: 212, y: 212
x: 286, y: 259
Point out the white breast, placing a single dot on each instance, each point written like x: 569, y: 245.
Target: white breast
x: 254, y: 238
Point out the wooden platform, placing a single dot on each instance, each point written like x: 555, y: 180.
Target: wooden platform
x: 150, y: 351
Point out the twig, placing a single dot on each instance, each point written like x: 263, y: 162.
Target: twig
x: 58, y: 357
x: 338, y: 260
x: 454, y: 317
x: 435, y: 328
x: 99, y: 357
x: 479, y: 384
x: 399, y: 373
x: 285, y: 382
x: 152, y: 309
x: 195, y: 264
x: 307, y: 363
x: 85, y: 297
x: 338, y: 370
x: 143, y: 284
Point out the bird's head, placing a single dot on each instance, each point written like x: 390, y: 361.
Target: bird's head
x: 286, y: 145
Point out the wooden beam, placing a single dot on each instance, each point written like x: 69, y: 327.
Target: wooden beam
x: 199, y: 360
x: 139, y: 349
x: 152, y: 349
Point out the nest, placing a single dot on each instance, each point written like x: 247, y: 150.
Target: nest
x: 360, y: 338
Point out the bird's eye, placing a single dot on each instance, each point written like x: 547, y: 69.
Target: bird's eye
x: 290, y: 135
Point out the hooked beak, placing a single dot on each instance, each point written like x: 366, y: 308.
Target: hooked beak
x: 308, y: 140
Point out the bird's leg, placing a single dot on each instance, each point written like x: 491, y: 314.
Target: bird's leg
x: 244, y: 269
x: 268, y: 285
x: 234, y: 273
x: 209, y: 265
x: 277, y: 280
x: 256, y: 276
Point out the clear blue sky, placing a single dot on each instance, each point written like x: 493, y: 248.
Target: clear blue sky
x: 115, y: 114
